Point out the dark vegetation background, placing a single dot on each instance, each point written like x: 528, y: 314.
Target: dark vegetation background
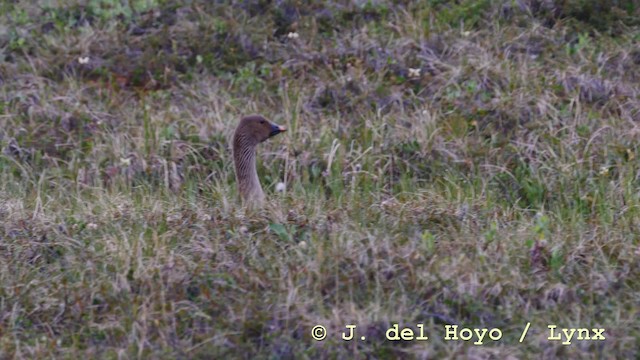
x: 447, y: 162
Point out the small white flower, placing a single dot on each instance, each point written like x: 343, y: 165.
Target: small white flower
x: 243, y: 230
x: 125, y: 161
x: 92, y: 226
x: 83, y: 60
x: 414, y: 73
x: 280, y: 187
x: 358, y: 167
x: 604, y: 171
x: 293, y: 35
x: 466, y: 33
x: 302, y: 244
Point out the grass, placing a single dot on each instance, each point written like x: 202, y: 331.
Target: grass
x: 470, y: 163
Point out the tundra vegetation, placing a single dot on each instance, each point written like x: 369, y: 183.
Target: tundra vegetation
x: 470, y: 163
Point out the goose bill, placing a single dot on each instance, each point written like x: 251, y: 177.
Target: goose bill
x: 277, y: 129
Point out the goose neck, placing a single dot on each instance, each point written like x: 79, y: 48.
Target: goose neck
x: 246, y: 173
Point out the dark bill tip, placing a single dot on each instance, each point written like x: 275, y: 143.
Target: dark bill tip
x: 277, y: 129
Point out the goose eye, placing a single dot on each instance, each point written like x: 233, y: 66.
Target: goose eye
x: 261, y: 121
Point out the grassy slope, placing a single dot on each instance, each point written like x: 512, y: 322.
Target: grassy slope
x: 498, y: 187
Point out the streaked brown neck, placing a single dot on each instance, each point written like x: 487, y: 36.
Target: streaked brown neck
x: 244, y: 158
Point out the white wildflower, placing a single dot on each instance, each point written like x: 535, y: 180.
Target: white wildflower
x: 125, y: 161
x: 280, y: 187
x: 414, y: 73
x: 604, y: 171
x: 92, y: 226
x: 83, y: 60
x: 293, y: 35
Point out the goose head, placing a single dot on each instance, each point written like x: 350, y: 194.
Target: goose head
x: 256, y: 129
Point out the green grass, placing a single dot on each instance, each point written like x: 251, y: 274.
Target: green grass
x: 497, y: 187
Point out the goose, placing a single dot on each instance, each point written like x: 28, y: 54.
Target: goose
x: 251, y: 131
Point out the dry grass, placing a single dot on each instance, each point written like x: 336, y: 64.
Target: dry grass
x: 472, y: 164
